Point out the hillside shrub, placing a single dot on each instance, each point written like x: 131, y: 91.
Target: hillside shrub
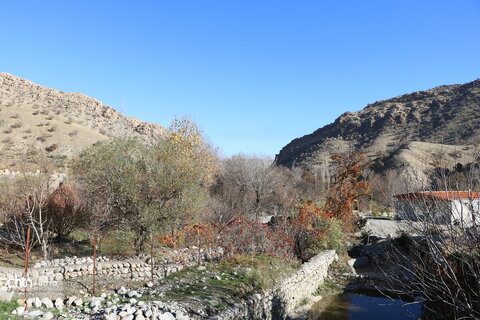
x: 148, y: 188
x: 243, y: 236
x: 16, y: 125
x: 63, y: 210
x: 314, y: 230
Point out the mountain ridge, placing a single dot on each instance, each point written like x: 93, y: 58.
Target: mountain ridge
x: 34, y: 119
x: 444, y: 115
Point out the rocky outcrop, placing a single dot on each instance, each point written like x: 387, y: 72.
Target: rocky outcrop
x: 446, y: 115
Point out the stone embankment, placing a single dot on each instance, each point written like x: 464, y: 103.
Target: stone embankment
x: 51, y: 272
x: 281, y: 301
x: 139, y: 304
x: 123, y: 304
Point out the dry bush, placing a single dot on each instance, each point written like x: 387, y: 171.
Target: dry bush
x: 247, y: 186
x: 12, y: 215
x: 15, y: 116
x: 198, y: 235
x: 63, y: 210
x: 240, y: 236
x: 45, y: 112
x: 69, y: 120
x: 8, y: 131
x: 35, y: 113
x: 73, y: 133
x: 51, y: 148
x: 32, y: 152
x: 52, y: 129
x: 42, y: 138
x: 23, y: 201
x: 244, y: 236
x: 7, y: 140
x: 312, y: 231
x: 57, y: 112
x: 49, y: 118
x: 28, y: 131
x: 16, y: 125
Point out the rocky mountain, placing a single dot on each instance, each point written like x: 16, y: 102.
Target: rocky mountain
x: 35, y: 119
x: 414, y: 129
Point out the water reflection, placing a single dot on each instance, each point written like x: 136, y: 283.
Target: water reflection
x: 356, y: 306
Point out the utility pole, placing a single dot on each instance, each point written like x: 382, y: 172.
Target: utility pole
x: 27, y: 249
x: 94, y: 260
x: 151, y: 257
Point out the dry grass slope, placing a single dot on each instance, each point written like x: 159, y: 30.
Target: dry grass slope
x: 35, y: 119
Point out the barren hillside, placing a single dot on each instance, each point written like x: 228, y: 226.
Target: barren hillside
x: 412, y: 129
x: 37, y: 119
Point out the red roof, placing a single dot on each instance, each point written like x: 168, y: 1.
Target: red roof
x: 443, y: 195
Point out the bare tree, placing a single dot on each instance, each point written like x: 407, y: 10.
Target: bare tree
x: 35, y: 190
x: 436, y: 258
x: 15, y: 224
x: 64, y: 210
x: 24, y: 205
x: 247, y: 186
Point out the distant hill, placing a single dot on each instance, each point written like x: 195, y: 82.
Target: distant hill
x: 416, y: 129
x: 37, y: 119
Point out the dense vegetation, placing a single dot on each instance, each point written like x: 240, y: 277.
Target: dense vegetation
x: 177, y: 192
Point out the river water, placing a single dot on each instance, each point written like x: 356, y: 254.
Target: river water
x: 364, y: 306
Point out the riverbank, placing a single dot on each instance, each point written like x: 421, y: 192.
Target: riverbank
x: 242, y: 287
x: 360, y: 288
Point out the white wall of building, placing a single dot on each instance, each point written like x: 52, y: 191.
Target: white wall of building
x: 466, y: 211
x: 445, y: 211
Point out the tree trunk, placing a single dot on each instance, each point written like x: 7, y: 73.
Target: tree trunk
x: 45, y: 249
x: 140, y: 240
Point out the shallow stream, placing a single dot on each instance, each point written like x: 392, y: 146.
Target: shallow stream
x: 364, y: 306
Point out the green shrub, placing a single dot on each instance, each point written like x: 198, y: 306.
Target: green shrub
x: 6, y: 309
x: 117, y: 243
x: 303, y: 302
x: 336, y: 236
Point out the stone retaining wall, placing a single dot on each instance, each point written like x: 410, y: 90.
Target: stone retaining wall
x: 281, y: 301
x: 58, y: 270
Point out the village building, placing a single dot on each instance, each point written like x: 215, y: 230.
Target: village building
x: 445, y: 207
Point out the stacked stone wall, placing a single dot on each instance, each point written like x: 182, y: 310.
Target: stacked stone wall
x: 139, y: 269
x: 281, y: 301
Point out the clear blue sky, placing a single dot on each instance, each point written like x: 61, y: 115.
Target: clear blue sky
x: 254, y: 74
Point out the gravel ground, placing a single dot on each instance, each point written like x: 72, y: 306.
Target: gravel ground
x: 383, y: 228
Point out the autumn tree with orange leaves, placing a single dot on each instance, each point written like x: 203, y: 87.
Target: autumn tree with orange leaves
x: 316, y: 227
x: 200, y: 235
x: 347, y: 187
x: 311, y: 228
